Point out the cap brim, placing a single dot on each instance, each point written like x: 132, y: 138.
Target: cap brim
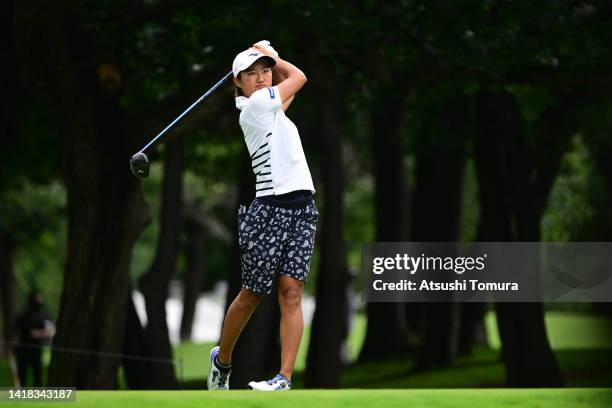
x: 266, y: 58
x: 271, y: 60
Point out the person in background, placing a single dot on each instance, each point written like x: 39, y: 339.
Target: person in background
x: 34, y: 330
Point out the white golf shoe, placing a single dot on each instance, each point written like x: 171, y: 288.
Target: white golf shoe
x: 218, y: 379
x: 278, y: 383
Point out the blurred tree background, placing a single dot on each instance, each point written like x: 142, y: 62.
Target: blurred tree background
x: 423, y: 121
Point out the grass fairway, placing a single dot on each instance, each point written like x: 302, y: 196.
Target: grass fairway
x: 554, y: 398
x: 581, y: 342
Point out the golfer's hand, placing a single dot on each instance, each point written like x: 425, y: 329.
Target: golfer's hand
x: 265, y: 48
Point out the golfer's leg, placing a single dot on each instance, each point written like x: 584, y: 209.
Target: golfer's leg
x: 237, y: 316
x: 292, y: 323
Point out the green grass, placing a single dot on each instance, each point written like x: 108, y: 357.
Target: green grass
x: 192, y: 360
x: 543, y: 398
x: 581, y: 343
x: 571, y: 336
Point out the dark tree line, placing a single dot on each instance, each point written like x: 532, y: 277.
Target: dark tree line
x: 435, y: 82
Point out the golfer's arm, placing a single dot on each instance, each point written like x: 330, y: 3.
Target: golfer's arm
x: 286, y: 104
x: 280, y: 78
x: 293, y: 82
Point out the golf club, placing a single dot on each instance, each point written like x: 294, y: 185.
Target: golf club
x: 139, y: 163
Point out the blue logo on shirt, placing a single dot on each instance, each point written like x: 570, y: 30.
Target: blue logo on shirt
x: 271, y: 90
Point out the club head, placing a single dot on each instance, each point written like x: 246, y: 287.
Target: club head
x: 139, y: 163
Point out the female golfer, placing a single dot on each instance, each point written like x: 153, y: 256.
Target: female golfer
x: 276, y: 233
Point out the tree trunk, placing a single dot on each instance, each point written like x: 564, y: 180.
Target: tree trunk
x: 600, y: 148
x: 471, y: 327
x: 436, y: 216
x: 326, y: 335
x: 518, y: 180
x: 136, y: 364
x: 246, y: 192
x: 384, y: 335
x: 105, y: 217
x: 106, y: 210
x: 7, y: 290
x: 194, y: 252
x: 156, y: 281
x: 8, y: 129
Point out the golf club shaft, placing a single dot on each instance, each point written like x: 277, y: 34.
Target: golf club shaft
x: 211, y: 90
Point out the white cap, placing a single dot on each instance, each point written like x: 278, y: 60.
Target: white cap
x: 246, y: 58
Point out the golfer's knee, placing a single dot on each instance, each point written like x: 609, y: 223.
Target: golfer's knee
x: 290, y: 296
x: 248, y: 299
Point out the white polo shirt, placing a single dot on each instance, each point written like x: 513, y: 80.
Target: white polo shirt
x: 274, y: 144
